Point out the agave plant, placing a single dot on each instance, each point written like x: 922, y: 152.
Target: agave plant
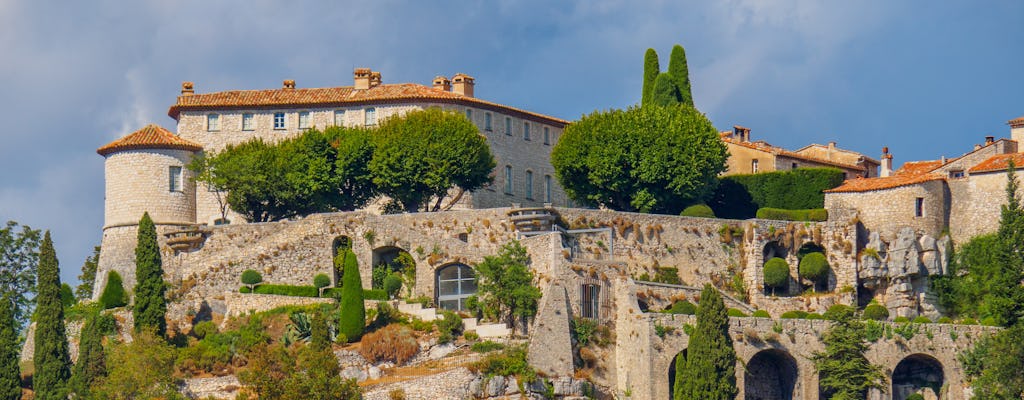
x: 298, y: 330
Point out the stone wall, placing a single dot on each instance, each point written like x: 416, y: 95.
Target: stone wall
x: 240, y: 303
x: 976, y: 204
x: 138, y: 181
x: 886, y: 211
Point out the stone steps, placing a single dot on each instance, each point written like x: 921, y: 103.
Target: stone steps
x: 486, y: 331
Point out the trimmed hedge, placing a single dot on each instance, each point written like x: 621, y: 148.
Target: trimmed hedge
x: 814, y: 267
x: 682, y: 307
x: 921, y: 319
x: 283, y: 290
x: 876, y: 312
x: 811, y: 214
x: 251, y: 277
x: 776, y: 273
x: 698, y: 210
x: 321, y: 281
x: 761, y: 314
x: 740, y: 196
x: 796, y: 314
x: 733, y: 312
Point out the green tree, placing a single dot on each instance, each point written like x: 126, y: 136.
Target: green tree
x: 506, y: 284
x: 142, y: 369
x: 995, y: 366
x: 776, y: 273
x: 87, y: 280
x: 19, y: 256
x: 844, y: 371
x: 91, y: 365
x: 665, y: 92
x: 52, y: 360
x: 710, y: 371
x: 10, y: 374
x: 651, y: 71
x: 150, y: 307
x: 353, y: 312
x: 646, y: 159
x: 353, y: 183
x: 67, y: 295
x: 298, y: 373
x: 814, y: 267
x: 680, y: 74
x: 319, y: 333
x: 421, y: 155
x: 113, y: 295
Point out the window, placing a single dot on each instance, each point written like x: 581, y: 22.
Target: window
x: 547, y: 188
x: 279, y: 120
x: 753, y: 166
x: 529, y: 184
x: 794, y: 166
x: 508, y: 126
x: 526, y: 130
x: 956, y: 174
x: 547, y: 136
x: 370, y: 118
x: 174, y: 175
x: 213, y: 122
x: 469, y: 114
x: 455, y: 283
x: 919, y: 207
x: 339, y: 117
x: 247, y: 122
x: 508, y: 179
x: 303, y: 119
x: 487, y: 122
x: 590, y: 303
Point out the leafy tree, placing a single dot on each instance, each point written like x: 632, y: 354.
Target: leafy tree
x: 87, y: 280
x: 251, y: 278
x: 52, y: 360
x: 150, y: 307
x: 680, y: 74
x: 10, y: 374
x: 665, y: 92
x: 353, y: 311
x: 91, y: 365
x: 297, y: 373
x: 710, y: 371
x: 646, y: 159
x: 142, y: 369
x: 19, y: 256
x: 995, y: 366
x: 844, y: 371
x: 113, y: 295
x: 423, y: 154
x: 353, y: 183
x: 506, y: 284
x: 814, y: 267
x: 776, y: 273
x: 651, y: 71
x: 67, y: 295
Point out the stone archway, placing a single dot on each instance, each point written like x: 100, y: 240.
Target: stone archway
x: 679, y: 361
x: 774, y: 249
x: 339, y: 244
x: 917, y: 373
x: 770, y: 374
x: 390, y: 259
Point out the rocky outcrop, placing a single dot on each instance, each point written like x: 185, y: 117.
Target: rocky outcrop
x: 896, y: 273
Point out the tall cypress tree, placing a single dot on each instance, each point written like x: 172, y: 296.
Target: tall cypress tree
x: 10, y: 374
x: 1006, y: 295
x: 665, y: 91
x: 91, y: 363
x: 353, y: 311
x: 710, y: 371
x: 680, y: 74
x: 651, y: 71
x: 150, y: 305
x: 52, y: 359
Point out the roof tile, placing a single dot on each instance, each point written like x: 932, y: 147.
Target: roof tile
x: 999, y: 162
x: 149, y: 137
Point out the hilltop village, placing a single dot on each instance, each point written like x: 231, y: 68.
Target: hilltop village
x: 617, y: 290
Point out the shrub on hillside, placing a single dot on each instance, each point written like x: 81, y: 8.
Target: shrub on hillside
x: 251, y: 278
x: 812, y: 214
x: 698, y: 210
x: 836, y: 310
x: 392, y: 284
x: 512, y: 361
x: 901, y: 320
x: 283, y: 290
x: 394, y: 343
x: 739, y: 196
x: 203, y: 329
x: 776, y: 273
x: 761, y: 314
x: 795, y: 314
x: 814, y: 316
x: 814, y: 267
x: 915, y: 396
x: 921, y: 319
x: 734, y: 312
x: 113, y: 293
x: 449, y: 325
x: 875, y: 311
x: 682, y: 307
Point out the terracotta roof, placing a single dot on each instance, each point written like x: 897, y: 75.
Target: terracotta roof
x: 918, y: 167
x: 889, y: 182
x: 765, y: 147
x: 1016, y: 122
x: 998, y: 162
x: 338, y: 96
x: 149, y: 137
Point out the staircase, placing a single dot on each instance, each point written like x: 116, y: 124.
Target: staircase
x: 486, y: 331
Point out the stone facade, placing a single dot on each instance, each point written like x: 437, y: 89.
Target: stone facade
x: 139, y: 180
x: 888, y: 210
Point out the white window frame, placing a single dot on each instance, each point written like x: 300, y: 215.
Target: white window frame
x: 370, y: 116
x: 175, y: 179
x: 508, y: 179
x: 212, y: 122
x: 251, y: 122
x: 280, y: 121
x: 303, y: 119
x: 339, y: 117
x: 464, y: 275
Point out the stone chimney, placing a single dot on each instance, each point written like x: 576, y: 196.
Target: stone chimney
x: 886, y: 163
x: 462, y: 84
x: 289, y: 84
x: 442, y: 83
x: 1017, y: 129
x: 187, y: 89
x: 740, y: 133
x: 375, y: 79
x: 362, y: 78
x: 989, y: 140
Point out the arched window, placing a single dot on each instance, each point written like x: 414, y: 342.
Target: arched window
x: 455, y: 283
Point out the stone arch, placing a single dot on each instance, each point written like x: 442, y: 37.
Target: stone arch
x: 679, y: 361
x: 917, y: 373
x: 773, y: 249
x: 770, y: 374
x: 453, y: 284
x: 337, y: 245
x: 387, y: 259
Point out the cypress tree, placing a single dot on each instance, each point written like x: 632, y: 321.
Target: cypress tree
x: 319, y: 333
x: 10, y: 374
x: 710, y: 371
x: 353, y: 311
x: 651, y: 71
x: 680, y: 74
x: 665, y: 92
x: 1006, y: 294
x: 91, y: 364
x: 150, y: 305
x: 52, y: 360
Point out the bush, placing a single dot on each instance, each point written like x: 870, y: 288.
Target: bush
x: 204, y: 329
x: 251, y: 277
x: 901, y: 320
x: 375, y: 294
x: 283, y: 290
x: 512, y: 361
x: 394, y: 343
x: 814, y: 316
x: 921, y: 319
x: 740, y: 196
x: 989, y: 321
x: 698, y: 210
x: 968, y: 321
x: 915, y: 396
x: 761, y: 314
x: 945, y: 320
x: 486, y: 346
x: 392, y: 284
x: 836, y: 310
x: 875, y: 311
x: 814, y: 267
x: 471, y: 335
x: 796, y: 314
x: 113, y: 295
x: 776, y: 273
x: 682, y: 307
x: 321, y: 281
x: 733, y: 312
x: 353, y: 310
x: 67, y: 295
x: 668, y: 275
x: 812, y: 214
x: 449, y: 325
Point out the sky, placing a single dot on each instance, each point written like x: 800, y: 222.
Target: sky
x: 924, y: 78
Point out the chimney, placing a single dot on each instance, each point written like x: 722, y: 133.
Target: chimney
x: 289, y: 84
x: 375, y: 79
x: 1017, y: 129
x: 362, y: 78
x: 977, y: 147
x: 462, y: 84
x: 831, y: 149
x: 989, y: 140
x: 187, y: 88
x: 740, y: 133
x: 886, y: 163
x: 442, y: 83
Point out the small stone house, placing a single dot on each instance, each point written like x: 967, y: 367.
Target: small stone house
x: 750, y: 157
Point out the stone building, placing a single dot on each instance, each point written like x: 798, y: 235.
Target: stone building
x: 749, y: 157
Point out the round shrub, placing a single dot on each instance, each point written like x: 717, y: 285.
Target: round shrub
x: 204, y: 329
x: 698, y: 210
x: 915, y: 396
x: 761, y: 314
x: 776, y: 273
x: 113, y: 295
x: 968, y: 321
x: 796, y: 314
x: 901, y: 320
x: 876, y: 312
x: 814, y: 316
x: 814, y: 267
x: 945, y: 320
x: 833, y: 312
x: 683, y: 307
x: 735, y: 313
x: 321, y: 281
x: 251, y: 277
x: 921, y: 319
x: 392, y: 283
x: 989, y: 321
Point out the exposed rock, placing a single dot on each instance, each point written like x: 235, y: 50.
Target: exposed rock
x: 496, y: 386
x: 221, y: 387
x: 904, y: 257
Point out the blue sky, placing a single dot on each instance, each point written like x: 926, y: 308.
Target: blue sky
x: 925, y: 78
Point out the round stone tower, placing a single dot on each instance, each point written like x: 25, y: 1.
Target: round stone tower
x: 146, y: 171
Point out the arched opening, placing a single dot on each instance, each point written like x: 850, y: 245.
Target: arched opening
x: 679, y: 361
x: 770, y: 374
x: 454, y: 284
x: 340, y: 244
x: 390, y: 260
x: 917, y: 373
x: 774, y: 249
